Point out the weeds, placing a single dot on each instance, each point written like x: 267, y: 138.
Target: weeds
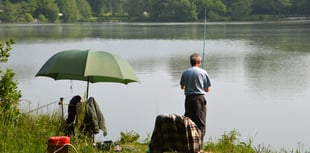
x: 229, y: 143
x: 30, y: 133
x: 268, y: 149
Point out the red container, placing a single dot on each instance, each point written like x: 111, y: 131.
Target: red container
x: 57, y: 142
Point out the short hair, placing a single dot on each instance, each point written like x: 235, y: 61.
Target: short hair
x: 195, y: 58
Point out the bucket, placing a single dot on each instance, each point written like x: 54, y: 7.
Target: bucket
x: 57, y: 142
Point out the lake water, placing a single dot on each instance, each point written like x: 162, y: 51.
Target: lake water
x: 259, y: 71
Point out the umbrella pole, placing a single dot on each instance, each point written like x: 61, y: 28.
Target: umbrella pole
x: 92, y: 134
x: 87, y: 87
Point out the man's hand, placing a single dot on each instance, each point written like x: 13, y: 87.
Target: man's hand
x: 207, y: 89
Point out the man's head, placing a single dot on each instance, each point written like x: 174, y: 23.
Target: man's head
x: 195, y: 59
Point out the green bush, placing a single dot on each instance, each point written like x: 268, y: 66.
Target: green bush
x: 229, y: 143
x: 9, y: 94
x: 42, y: 18
x: 28, y: 18
x: 129, y: 137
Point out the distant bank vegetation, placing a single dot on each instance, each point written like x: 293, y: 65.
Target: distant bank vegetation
x: 55, y: 11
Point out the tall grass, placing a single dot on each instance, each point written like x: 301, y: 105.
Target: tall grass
x: 229, y: 143
x: 29, y: 133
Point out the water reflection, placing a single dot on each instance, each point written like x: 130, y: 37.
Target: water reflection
x: 289, y: 36
x: 278, y: 72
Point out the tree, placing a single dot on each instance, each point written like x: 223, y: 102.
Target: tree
x: 32, y: 6
x: 273, y: 7
x: 185, y: 11
x: 280, y: 6
x: 240, y: 9
x: 69, y: 10
x: 298, y: 6
x: 9, y: 12
x: 97, y: 6
x: 117, y: 7
x: 9, y: 94
x: 173, y: 10
x: 84, y: 9
x: 262, y: 7
x: 212, y: 8
x: 48, y: 8
x: 136, y: 8
x: 24, y: 12
x: 306, y: 7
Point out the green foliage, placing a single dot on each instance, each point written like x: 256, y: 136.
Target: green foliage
x: 47, y: 9
x: 42, y: 18
x: 129, y: 137
x: 5, y: 50
x: 28, y: 18
x: 84, y: 10
x: 147, y: 140
x: 229, y: 143
x: 269, y: 149
x: 213, y: 9
x: 28, y: 133
x: 149, y: 10
x: 9, y: 94
x: 136, y: 8
x: 173, y: 10
x: 69, y: 9
x: 240, y: 9
x: 9, y: 12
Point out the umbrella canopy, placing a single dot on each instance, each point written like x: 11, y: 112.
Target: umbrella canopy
x: 90, y: 66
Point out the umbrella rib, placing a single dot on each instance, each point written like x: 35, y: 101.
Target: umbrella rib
x: 119, y: 67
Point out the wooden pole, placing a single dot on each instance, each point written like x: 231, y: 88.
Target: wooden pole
x: 61, y: 103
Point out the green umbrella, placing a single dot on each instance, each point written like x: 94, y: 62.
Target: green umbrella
x: 90, y: 66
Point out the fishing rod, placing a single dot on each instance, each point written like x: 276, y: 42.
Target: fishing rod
x: 38, y: 108
x: 204, y: 40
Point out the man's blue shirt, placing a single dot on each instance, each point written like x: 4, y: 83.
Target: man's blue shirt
x: 195, y: 80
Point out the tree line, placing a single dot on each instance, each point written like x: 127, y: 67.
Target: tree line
x: 25, y: 11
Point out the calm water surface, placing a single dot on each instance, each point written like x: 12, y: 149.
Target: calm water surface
x: 259, y: 71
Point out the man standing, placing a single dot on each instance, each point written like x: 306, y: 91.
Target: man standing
x: 195, y: 83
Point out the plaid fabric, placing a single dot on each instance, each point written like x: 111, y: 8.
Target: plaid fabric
x: 193, y: 135
x: 175, y: 133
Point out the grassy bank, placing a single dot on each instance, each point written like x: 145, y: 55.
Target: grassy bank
x: 26, y: 133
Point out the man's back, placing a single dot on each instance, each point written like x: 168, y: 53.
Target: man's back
x: 195, y: 80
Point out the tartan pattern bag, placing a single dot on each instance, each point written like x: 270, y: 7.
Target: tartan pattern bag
x: 175, y: 133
